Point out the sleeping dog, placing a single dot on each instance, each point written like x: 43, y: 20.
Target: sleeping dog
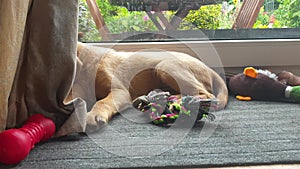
x: 115, y: 78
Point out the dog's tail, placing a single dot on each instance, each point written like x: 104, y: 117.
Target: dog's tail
x: 220, y: 90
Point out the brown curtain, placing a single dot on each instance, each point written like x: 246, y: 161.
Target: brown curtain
x: 38, y: 63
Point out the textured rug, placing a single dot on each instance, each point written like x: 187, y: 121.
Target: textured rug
x: 245, y: 133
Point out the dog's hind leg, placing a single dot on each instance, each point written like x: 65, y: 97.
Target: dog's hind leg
x: 104, y: 109
x: 183, y: 81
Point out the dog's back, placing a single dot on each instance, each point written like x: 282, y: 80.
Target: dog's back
x: 141, y: 72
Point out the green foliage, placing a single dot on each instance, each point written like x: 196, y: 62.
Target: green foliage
x: 108, y: 11
x: 228, y: 16
x: 262, y: 20
x: 86, y: 23
x: 119, y: 19
x: 288, y: 13
x: 126, y: 21
x: 204, y: 18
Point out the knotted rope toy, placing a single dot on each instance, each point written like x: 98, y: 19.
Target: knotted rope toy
x: 15, y: 144
x: 164, y: 109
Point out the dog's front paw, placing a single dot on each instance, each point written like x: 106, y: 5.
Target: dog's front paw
x: 94, y: 122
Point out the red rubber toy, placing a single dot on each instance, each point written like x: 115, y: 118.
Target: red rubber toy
x: 15, y: 144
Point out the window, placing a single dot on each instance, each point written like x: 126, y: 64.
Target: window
x: 272, y: 42
x: 153, y: 20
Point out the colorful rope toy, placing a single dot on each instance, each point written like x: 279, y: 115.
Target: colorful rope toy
x: 165, y: 109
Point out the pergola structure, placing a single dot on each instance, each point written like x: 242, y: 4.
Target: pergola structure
x: 245, y: 18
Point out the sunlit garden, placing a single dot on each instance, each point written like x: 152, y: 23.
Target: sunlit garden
x: 273, y: 14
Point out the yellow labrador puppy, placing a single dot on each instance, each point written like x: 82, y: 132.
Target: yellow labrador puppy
x: 116, y: 78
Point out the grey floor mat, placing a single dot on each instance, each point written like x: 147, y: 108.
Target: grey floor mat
x: 246, y: 133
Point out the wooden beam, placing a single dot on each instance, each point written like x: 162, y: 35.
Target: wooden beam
x: 164, y: 20
x: 248, y: 14
x: 152, y: 16
x: 177, y: 18
x: 98, y: 19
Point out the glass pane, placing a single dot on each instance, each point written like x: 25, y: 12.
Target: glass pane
x: 161, y: 20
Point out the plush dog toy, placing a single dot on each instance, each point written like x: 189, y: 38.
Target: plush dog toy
x: 255, y: 84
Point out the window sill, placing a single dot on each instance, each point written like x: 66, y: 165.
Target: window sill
x: 271, y: 54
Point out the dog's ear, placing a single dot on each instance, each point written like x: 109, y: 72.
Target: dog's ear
x: 78, y: 65
x: 80, y: 46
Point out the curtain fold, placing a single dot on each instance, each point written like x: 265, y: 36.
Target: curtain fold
x: 12, y: 25
x: 45, y: 65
